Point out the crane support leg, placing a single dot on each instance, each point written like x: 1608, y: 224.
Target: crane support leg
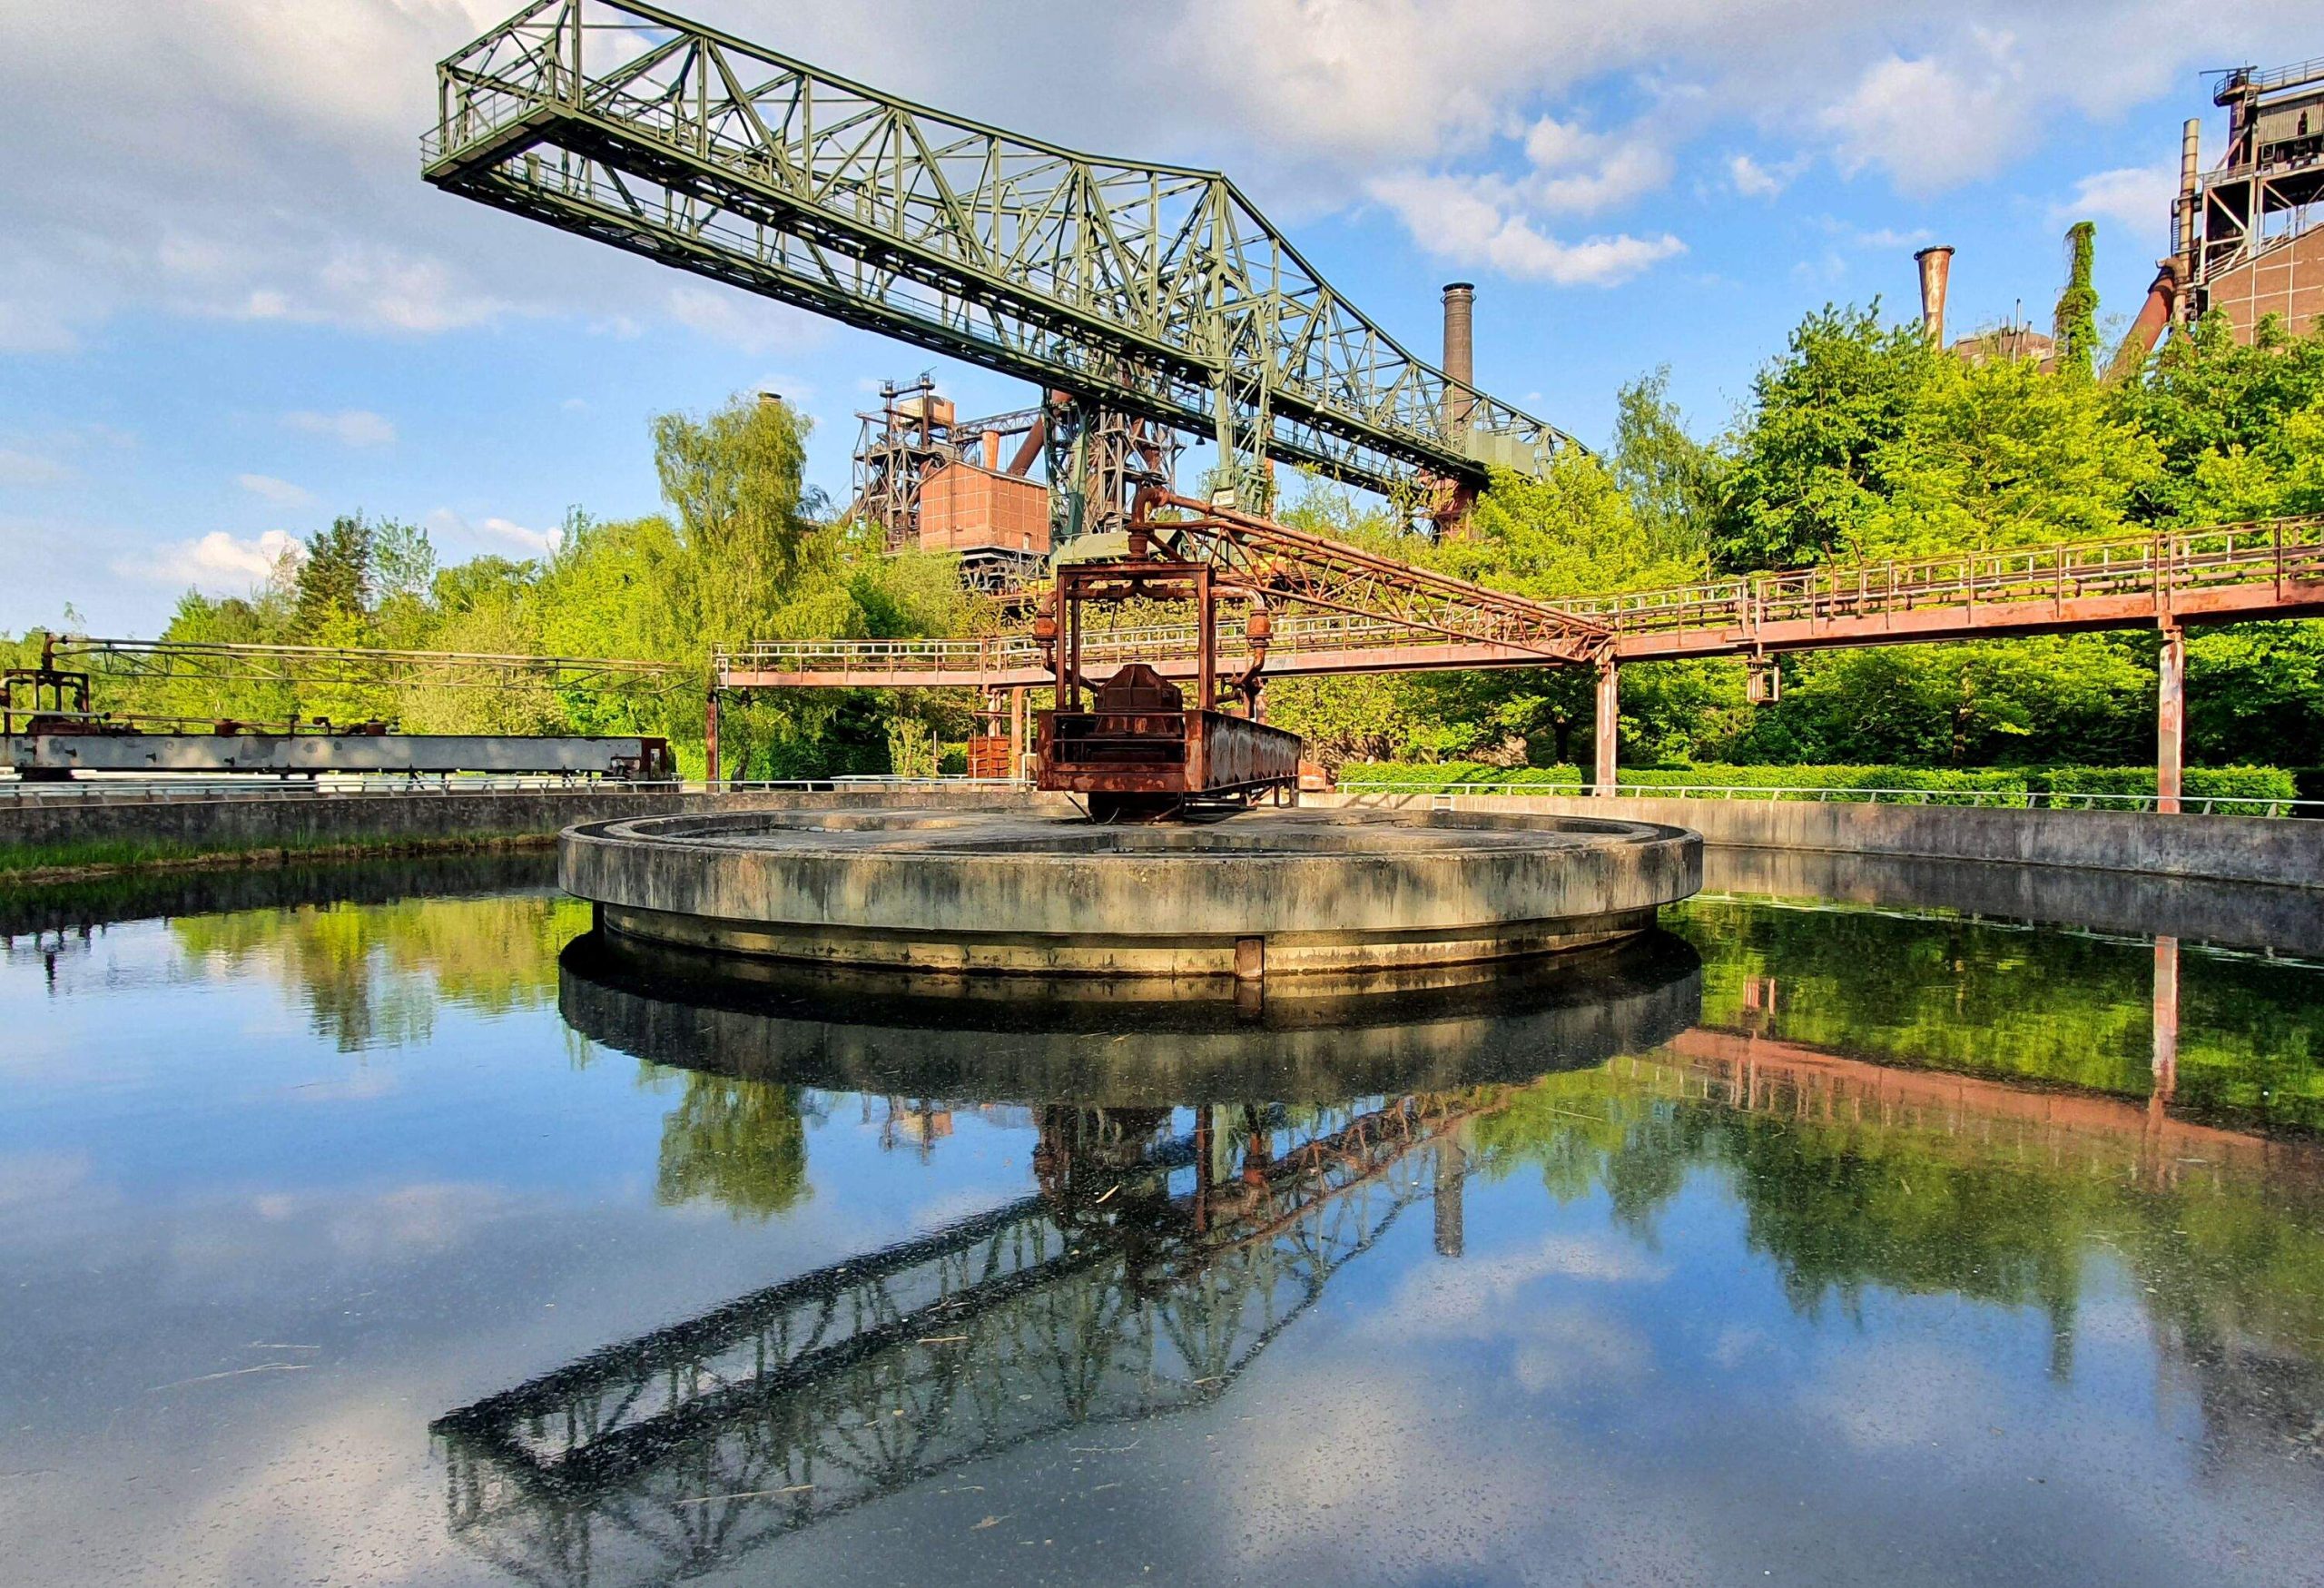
x: 1608, y: 719
x: 2170, y: 719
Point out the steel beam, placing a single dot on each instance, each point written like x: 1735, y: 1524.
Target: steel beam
x: 1155, y: 290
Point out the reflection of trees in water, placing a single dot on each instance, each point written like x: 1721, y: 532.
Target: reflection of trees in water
x: 1973, y: 1189
x: 1984, y: 997
x: 742, y: 1143
x: 374, y: 975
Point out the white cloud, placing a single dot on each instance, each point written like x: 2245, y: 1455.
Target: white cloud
x: 445, y: 523
x: 2137, y: 196
x: 753, y: 324
x: 270, y: 171
x: 1579, y: 172
x: 1931, y: 125
x: 1879, y: 238
x: 217, y: 563
x: 1476, y: 220
x: 1747, y: 177
x: 350, y: 427
x: 280, y: 492
x: 18, y: 468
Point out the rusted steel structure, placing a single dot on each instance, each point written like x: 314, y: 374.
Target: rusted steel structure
x: 2235, y: 573
x: 51, y: 727
x: 1378, y: 615
x: 1139, y: 752
x: 2249, y: 246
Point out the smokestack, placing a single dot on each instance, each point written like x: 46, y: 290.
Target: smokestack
x: 1460, y: 354
x: 1937, y: 272
x: 2190, y: 176
x: 992, y: 450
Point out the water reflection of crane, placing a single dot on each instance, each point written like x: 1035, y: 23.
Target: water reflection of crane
x: 1146, y: 1274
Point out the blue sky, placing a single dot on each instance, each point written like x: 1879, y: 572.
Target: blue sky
x: 230, y: 309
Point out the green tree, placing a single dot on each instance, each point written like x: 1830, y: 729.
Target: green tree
x: 334, y: 589
x: 1672, y: 480
x: 1806, y: 472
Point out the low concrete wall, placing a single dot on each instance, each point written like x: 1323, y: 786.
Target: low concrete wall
x: 2240, y: 849
x: 321, y: 821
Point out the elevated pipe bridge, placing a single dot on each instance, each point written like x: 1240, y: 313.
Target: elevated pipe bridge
x: 2228, y: 574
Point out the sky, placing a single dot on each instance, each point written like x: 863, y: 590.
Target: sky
x: 230, y: 309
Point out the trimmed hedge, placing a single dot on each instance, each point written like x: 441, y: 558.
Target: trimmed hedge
x: 2015, y: 787
x: 2251, y: 783
x: 1439, y: 776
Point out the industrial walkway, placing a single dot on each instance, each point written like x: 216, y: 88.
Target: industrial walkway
x: 2236, y: 572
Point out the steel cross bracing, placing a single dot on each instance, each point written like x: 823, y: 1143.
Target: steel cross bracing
x: 717, y: 1437
x: 1276, y: 563
x: 352, y: 665
x: 2231, y: 573
x: 1152, y: 290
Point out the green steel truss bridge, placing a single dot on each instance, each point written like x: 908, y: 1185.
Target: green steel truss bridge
x: 1154, y: 290
x: 1142, y: 1280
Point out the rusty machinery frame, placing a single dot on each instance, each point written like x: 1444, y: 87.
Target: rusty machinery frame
x: 1276, y: 563
x: 1221, y: 759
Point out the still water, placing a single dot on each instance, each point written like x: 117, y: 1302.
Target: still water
x: 1923, y: 1225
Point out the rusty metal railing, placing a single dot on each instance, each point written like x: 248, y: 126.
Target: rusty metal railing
x: 2282, y: 552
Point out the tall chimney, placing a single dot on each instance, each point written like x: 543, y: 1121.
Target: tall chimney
x: 1460, y: 354
x: 1937, y: 272
x: 2190, y: 177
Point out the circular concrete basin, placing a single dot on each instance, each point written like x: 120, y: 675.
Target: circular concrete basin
x: 1264, y: 896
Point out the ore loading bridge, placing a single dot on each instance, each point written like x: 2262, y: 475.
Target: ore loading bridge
x: 1144, y: 1277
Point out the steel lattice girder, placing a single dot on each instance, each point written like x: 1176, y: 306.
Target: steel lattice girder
x: 356, y: 666
x: 1153, y: 290
x: 1277, y: 562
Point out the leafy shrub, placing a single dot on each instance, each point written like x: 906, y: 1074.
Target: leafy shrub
x: 2061, y: 786
x: 2011, y: 787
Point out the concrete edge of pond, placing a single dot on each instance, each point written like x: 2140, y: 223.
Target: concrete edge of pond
x: 2279, y: 850
x: 1269, y: 895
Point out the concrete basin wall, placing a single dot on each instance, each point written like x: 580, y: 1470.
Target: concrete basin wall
x: 2242, y: 849
x: 1267, y: 895
x: 323, y: 820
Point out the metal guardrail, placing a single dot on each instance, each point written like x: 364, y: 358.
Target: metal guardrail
x: 2281, y: 552
x: 1967, y: 798
x: 102, y: 791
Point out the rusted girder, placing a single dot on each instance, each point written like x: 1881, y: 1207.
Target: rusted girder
x: 1280, y: 564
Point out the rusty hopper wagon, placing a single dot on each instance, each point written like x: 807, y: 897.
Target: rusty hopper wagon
x: 1139, y: 752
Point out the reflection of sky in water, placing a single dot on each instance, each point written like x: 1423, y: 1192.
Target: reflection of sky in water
x: 355, y: 1152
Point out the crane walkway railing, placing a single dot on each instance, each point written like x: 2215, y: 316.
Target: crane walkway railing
x: 2263, y: 565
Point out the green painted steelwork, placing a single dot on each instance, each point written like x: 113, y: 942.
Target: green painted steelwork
x: 1151, y: 290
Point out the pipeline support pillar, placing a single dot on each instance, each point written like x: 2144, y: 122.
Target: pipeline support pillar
x: 710, y: 743
x: 1609, y: 720
x: 1016, y: 732
x: 2170, y: 718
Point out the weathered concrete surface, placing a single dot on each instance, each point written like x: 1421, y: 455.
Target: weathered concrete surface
x: 1271, y: 893
x: 2248, y: 915
x: 2242, y: 849
x: 322, y: 819
x: 988, y: 1041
